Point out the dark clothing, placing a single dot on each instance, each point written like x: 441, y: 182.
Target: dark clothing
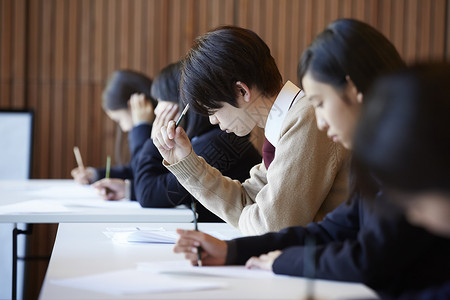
x: 268, y: 151
x: 368, y: 242
x: 136, y: 139
x: 234, y: 156
x: 432, y: 293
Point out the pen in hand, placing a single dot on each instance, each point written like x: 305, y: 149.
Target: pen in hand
x: 107, y: 171
x: 77, y: 153
x: 199, y: 249
x: 182, y: 115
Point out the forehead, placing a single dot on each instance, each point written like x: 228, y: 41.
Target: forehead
x: 314, y: 88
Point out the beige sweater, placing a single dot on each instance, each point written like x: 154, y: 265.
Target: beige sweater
x: 306, y: 180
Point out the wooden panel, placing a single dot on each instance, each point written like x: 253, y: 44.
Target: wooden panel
x: 5, y: 51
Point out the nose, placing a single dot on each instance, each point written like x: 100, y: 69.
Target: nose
x: 321, y: 124
x: 213, y: 120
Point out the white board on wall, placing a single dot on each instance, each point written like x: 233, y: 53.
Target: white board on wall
x: 16, y: 133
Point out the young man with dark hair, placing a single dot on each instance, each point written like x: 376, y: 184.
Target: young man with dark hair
x: 230, y: 75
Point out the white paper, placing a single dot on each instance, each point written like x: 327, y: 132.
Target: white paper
x: 148, y: 235
x: 100, y: 203
x: 134, y: 282
x: 34, y: 206
x: 65, y: 191
x: 183, y: 267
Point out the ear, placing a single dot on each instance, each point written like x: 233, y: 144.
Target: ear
x: 243, y: 93
x: 354, y: 90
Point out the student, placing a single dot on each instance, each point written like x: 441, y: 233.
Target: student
x: 155, y: 186
x: 123, y: 86
x: 144, y: 117
x: 365, y: 239
x: 404, y: 140
x: 230, y: 75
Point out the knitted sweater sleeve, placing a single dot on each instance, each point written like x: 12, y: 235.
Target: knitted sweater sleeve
x: 289, y: 193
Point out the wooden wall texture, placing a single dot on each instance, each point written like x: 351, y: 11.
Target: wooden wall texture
x: 56, y: 55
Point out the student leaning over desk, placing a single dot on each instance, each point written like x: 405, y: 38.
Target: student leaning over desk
x: 230, y: 75
x: 154, y: 185
x: 368, y: 238
x: 125, y: 90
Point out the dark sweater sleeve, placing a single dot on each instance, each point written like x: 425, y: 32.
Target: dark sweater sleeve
x: 340, y: 224
x: 367, y: 241
x: 122, y: 172
x: 136, y: 140
x: 441, y: 292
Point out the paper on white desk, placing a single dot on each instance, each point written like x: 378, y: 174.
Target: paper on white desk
x: 148, y: 235
x: 65, y: 191
x: 34, y: 206
x: 134, y: 282
x: 137, y: 235
x: 183, y: 267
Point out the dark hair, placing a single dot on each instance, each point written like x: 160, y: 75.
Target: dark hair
x: 403, y: 136
x: 218, y: 60
x: 121, y: 85
x: 349, y: 47
x: 166, y: 85
x: 352, y: 48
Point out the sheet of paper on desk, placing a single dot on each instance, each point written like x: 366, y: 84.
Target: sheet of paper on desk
x: 65, y: 191
x: 34, y: 206
x: 134, y: 282
x: 183, y: 267
x: 148, y: 235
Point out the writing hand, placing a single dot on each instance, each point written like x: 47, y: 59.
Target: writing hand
x: 214, y: 251
x: 83, y: 175
x: 110, y: 188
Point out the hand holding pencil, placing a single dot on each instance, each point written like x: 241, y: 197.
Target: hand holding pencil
x: 173, y: 142
x: 81, y: 174
x: 213, y: 251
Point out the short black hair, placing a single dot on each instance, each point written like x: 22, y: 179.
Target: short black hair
x: 403, y: 135
x: 166, y: 85
x: 121, y: 85
x: 218, y: 60
x: 349, y: 47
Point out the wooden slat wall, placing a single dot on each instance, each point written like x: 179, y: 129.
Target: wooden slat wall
x: 56, y: 55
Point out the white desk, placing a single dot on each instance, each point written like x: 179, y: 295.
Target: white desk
x: 83, y: 249
x: 79, y: 205
x: 58, y: 201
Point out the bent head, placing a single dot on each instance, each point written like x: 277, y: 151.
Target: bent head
x: 119, y: 88
x: 337, y: 70
x: 403, y: 138
x: 224, y: 72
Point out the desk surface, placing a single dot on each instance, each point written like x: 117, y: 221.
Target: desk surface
x: 57, y: 201
x: 97, y: 254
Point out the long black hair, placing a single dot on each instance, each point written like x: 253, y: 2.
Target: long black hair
x: 121, y: 85
x: 349, y: 47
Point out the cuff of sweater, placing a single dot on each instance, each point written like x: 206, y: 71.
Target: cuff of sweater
x: 187, y: 167
x: 231, y: 252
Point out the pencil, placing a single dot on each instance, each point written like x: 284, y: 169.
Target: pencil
x: 77, y: 153
x: 182, y: 115
x: 108, y: 166
x: 199, y: 249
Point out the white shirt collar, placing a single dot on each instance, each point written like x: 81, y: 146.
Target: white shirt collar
x: 280, y: 107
